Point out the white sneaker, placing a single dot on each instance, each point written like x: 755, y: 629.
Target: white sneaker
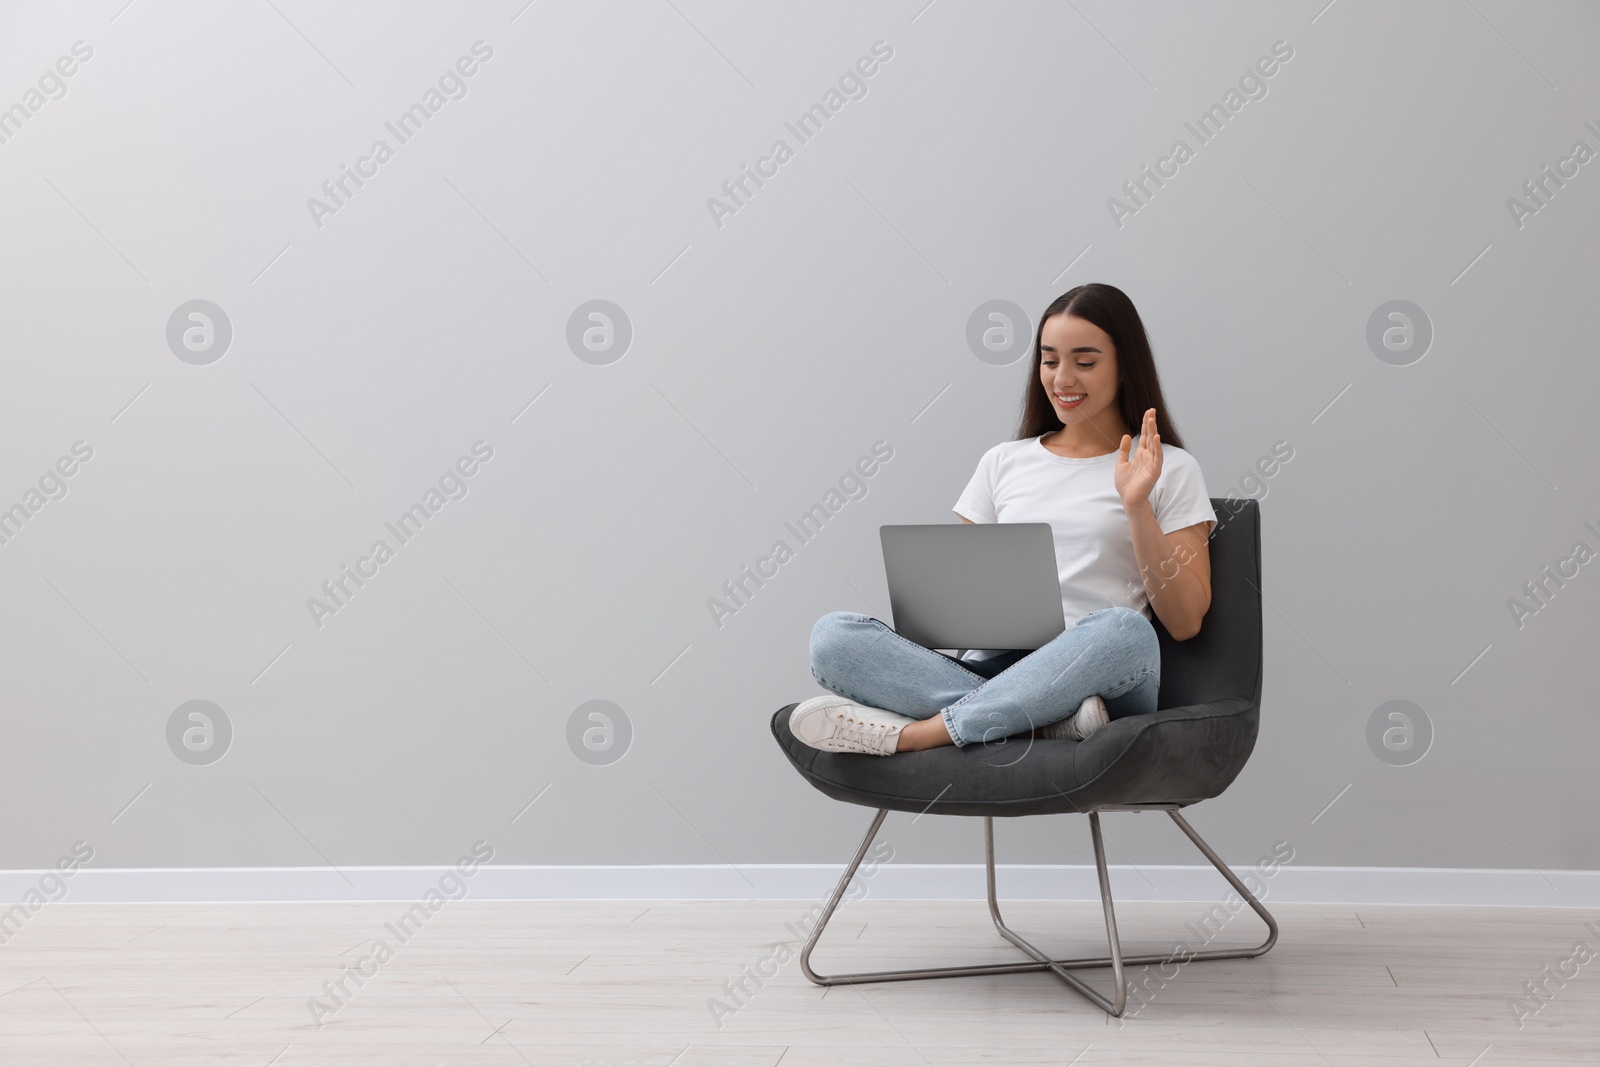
x: 835, y: 724
x: 1090, y: 716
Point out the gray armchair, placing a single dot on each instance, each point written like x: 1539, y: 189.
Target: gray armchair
x: 1189, y: 750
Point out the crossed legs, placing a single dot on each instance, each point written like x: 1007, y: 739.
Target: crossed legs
x: 1112, y: 652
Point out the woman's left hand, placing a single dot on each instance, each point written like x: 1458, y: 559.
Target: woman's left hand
x: 1136, y: 474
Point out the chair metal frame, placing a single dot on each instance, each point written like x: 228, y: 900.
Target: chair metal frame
x: 1061, y: 968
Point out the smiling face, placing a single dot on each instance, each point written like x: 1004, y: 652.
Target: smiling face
x: 1078, y: 369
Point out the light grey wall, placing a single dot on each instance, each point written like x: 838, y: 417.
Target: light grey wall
x: 373, y: 346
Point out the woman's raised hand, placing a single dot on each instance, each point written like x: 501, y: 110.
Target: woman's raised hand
x: 1136, y: 474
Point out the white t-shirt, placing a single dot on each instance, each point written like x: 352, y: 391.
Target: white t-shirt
x: 1023, y: 481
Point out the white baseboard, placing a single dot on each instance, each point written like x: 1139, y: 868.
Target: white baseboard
x: 760, y: 881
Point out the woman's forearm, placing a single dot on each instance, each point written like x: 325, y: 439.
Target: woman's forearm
x: 1177, y: 594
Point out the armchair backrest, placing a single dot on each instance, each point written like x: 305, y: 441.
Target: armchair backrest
x: 1224, y: 659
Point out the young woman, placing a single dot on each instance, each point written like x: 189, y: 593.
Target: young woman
x: 1130, y: 517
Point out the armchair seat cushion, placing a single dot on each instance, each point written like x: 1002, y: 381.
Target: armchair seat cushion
x: 1178, y: 755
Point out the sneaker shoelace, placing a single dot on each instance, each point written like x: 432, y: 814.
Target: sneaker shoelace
x: 872, y: 735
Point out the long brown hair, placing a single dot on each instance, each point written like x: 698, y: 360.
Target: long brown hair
x: 1139, y: 388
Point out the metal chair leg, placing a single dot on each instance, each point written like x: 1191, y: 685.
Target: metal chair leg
x: 1061, y: 968
x: 1238, y: 886
x: 887, y: 976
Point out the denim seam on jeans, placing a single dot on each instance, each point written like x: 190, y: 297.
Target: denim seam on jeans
x: 1140, y: 676
x: 848, y: 694
x: 950, y: 727
x: 1113, y: 691
x: 885, y: 628
x: 907, y: 641
x: 973, y: 693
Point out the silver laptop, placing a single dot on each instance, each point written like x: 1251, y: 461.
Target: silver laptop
x: 978, y: 585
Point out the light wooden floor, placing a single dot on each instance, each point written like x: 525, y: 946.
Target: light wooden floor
x: 629, y: 983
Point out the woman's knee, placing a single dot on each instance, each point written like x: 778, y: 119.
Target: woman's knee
x: 833, y: 632
x: 1132, y: 629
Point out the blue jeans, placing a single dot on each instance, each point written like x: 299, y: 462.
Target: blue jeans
x: 1113, y: 652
